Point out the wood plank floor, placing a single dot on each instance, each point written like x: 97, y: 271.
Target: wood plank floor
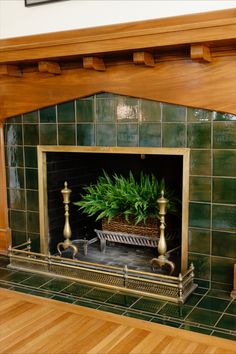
x: 30, y: 325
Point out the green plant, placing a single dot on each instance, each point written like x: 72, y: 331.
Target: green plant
x: 135, y: 200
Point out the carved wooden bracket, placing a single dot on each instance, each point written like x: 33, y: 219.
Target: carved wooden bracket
x: 200, y: 52
x: 49, y: 67
x: 145, y: 58
x: 94, y: 63
x: 10, y: 70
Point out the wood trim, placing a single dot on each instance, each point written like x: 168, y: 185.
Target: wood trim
x: 233, y: 292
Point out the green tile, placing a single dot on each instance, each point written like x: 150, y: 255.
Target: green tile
x: 222, y: 269
x: 127, y: 109
x: 85, y: 110
x: 219, y: 294
x: 36, y: 281
x: 13, y: 134
x: 85, y: 134
x: 15, y: 177
x: 21, y: 289
x: 66, y: 112
x: 17, y: 277
x: 196, y: 329
x: 224, y: 163
x: 76, y: 289
x: 31, y: 134
x: 199, y: 241
x: 86, y: 304
x: 31, y: 178
x: 201, y: 265
x: 63, y: 299
x: 200, y: 189
x: 30, y: 157
x: 223, y: 244
x: 32, y: 200
x: 4, y: 273
x: 41, y: 294
x: 201, y: 291
x: 35, y: 241
x: 111, y: 309
x: 199, y: 135
x: 200, y: 162
x: 56, y: 285
x: 193, y: 299
x: 175, y: 310
x: 232, y: 308
x: 173, y: 113
x: 224, y: 117
x: 14, y: 156
x: 150, y: 134
x: 166, y: 322
x: 212, y: 303
x: 48, y: 115
x: 199, y: 115
x: 148, y: 305
x: 224, y: 135
x: 204, y: 316
x: 202, y: 283
x: 31, y: 117
x: 106, y: 135
x: 174, y: 135
x: 140, y: 316
x: 227, y: 322
x: 98, y: 294
x: 199, y: 215
x: 16, y: 198
x: 122, y: 300
x: 105, y: 110
x: 17, y: 238
x: 48, y: 134
x: 221, y: 286
x: 5, y: 286
x: 224, y: 190
x: 66, y: 134
x: 127, y: 134
x: 18, y: 220
x: 14, y: 120
x: 32, y: 221
x: 224, y: 335
x: 150, y: 111
x: 224, y: 217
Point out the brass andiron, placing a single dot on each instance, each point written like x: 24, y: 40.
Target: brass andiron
x: 67, y: 229
x: 162, y: 260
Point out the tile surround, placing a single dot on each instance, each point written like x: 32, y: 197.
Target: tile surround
x: 112, y: 120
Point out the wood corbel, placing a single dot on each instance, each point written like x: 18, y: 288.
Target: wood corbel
x: 10, y: 70
x: 49, y: 67
x: 144, y: 58
x: 94, y: 63
x: 200, y: 52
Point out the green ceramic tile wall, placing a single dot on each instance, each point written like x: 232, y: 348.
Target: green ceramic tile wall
x: 111, y: 120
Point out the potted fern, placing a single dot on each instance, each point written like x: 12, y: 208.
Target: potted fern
x: 127, y: 204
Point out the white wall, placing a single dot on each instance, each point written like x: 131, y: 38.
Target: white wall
x: 18, y: 20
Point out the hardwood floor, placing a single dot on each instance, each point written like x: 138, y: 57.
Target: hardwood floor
x: 30, y: 325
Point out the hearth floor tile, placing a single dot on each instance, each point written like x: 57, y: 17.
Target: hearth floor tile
x: 227, y: 322
x: 196, y: 329
x: 204, y: 316
x: 214, y: 304
x: 166, y: 322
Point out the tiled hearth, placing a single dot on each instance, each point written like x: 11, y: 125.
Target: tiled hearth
x: 110, y: 120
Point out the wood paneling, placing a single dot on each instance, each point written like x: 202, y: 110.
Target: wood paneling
x: 37, y: 325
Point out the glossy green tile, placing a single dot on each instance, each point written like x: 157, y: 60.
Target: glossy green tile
x: 140, y: 316
x: 76, y: 289
x: 173, y: 113
x: 196, y: 329
x: 106, y: 135
x: 98, y: 294
x: 224, y: 163
x: 41, y: 294
x: 35, y: 241
x: 200, y: 189
x: 224, y: 135
x: 199, y: 135
x: 15, y: 177
x: 111, y: 309
x: 86, y: 304
x: 227, y: 322
x: 201, y: 265
x: 213, y: 304
x: 32, y: 221
x: 199, y: 115
x: 223, y: 244
x: 32, y: 200
x: 18, y: 220
x: 148, y: 305
x: 30, y: 156
x: 150, y: 134
x: 5, y: 286
x: 127, y: 134
x: 166, y: 322
x: 21, y: 289
x: 48, y: 115
x: 224, y: 190
x: 14, y: 120
x: 66, y: 134
x: 224, y: 217
x: 66, y: 112
x: 85, y: 134
x: 105, y: 110
x: 175, y: 310
x: 199, y: 215
x: 202, y: 283
x: 16, y: 198
x: 14, y: 156
x: 200, y: 162
x: 127, y: 109
x: 199, y: 241
x: 222, y: 269
x: 224, y: 335
x: 36, y: 280
x: 31, y: 134
x: 13, y: 134
x: 63, y: 298
x: 193, y: 299
x: 31, y: 178
x: 174, y: 135
x: 4, y: 273
x: 232, y: 308
x: 203, y: 316
x: 18, y: 277
x: 31, y: 117
x: 85, y: 110
x: 122, y: 300
x: 48, y: 134
x: 56, y: 285
x: 17, y: 238
x: 200, y: 291
x: 224, y: 117
x: 221, y: 286
x: 150, y: 111
x: 219, y: 294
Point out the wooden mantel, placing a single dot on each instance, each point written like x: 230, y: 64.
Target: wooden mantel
x: 187, y: 60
